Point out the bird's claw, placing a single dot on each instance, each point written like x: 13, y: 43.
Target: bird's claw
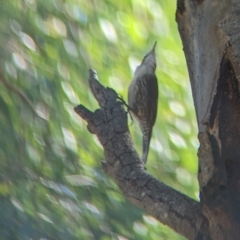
x: 120, y: 98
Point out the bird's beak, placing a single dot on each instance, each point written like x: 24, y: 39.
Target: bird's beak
x: 154, y: 46
x: 150, y: 53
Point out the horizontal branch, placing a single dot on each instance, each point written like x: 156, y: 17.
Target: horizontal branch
x: 123, y: 164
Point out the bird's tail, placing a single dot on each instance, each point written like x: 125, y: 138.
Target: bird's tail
x: 145, y: 144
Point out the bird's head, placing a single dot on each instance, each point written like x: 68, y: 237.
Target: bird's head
x: 149, y: 59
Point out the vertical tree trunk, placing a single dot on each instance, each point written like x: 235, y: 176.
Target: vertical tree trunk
x: 210, y: 32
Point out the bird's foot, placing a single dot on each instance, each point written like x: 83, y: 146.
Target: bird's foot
x: 120, y: 98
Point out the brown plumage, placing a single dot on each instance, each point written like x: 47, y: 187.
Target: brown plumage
x: 143, y: 98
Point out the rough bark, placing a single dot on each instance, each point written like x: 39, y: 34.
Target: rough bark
x: 210, y: 31
x: 123, y: 164
x: 210, y: 35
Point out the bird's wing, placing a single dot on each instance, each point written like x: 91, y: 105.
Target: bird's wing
x: 143, y: 98
x: 152, y: 97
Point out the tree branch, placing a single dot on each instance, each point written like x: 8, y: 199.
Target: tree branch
x: 123, y: 164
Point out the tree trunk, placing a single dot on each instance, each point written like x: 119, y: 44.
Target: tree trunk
x: 210, y: 34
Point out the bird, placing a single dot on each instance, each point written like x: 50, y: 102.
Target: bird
x: 143, y: 98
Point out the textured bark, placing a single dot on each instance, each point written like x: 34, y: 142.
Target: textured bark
x: 210, y: 31
x: 123, y: 164
x: 210, y: 35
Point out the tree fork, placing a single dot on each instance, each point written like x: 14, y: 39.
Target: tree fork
x: 210, y: 34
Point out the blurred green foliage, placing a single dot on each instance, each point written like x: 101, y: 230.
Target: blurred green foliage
x: 51, y: 183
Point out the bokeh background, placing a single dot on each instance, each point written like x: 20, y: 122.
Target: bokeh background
x: 51, y: 182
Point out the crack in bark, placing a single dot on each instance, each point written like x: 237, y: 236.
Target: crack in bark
x: 180, y: 6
